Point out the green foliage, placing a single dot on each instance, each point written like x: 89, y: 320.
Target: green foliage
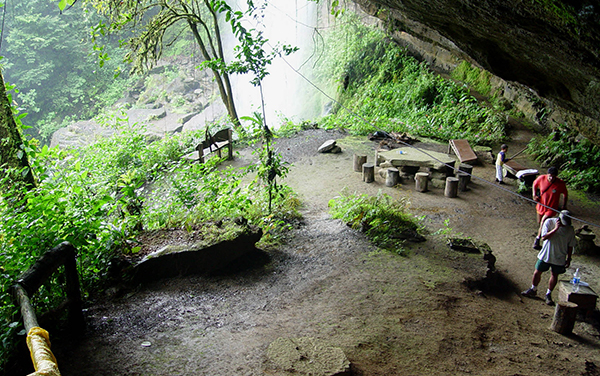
x: 100, y: 196
x: 381, y: 88
x: 288, y: 128
x: 271, y: 165
x: 577, y: 158
x: 479, y: 79
x: 381, y: 218
x: 49, y: 57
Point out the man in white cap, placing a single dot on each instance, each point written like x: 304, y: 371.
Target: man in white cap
x: 558, y: 238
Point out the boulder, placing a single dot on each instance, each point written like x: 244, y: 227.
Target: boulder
x: 327, y: 147
x: 201, y: 258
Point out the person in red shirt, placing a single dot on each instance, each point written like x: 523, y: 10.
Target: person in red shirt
x: 547, y: 190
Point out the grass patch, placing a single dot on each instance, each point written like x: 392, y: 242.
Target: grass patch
x: 383, y: 219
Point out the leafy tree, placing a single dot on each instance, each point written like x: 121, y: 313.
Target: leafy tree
x: 49, y: 57
x: 13, y: 153
x: 252, y: 57
x: 151, y: 21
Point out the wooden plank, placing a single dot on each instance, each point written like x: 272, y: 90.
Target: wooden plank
x: 463, y: 151
x: 215, y: 147
x: 585, y: 298
x: 513, y: 167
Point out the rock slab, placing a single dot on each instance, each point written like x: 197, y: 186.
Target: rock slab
x: 308, y: 356
x: 173, y: 261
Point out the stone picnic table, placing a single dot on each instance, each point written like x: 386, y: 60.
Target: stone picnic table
x: 412, y: 157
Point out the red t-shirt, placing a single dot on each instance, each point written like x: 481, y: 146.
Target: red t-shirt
x: 549, y: 193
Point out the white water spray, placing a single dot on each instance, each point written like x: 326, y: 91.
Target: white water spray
x: 286, y: 93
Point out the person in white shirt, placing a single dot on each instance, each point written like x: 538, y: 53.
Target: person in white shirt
x: 558, y: 238
x: 500, y: 160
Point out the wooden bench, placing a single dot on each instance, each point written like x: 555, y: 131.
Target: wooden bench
x: 463, y: 151
x: 585, y: 298
x: 215, y: 143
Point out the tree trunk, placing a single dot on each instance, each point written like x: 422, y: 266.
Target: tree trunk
x: 359, y: 160
x: 222, y: 79
x: 564, y: 317
x: 12, y: 153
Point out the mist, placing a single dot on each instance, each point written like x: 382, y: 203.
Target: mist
x: 287, y: 93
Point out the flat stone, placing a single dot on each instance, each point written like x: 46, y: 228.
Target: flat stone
x: 408, y: 156
x: 172, y: 261
x: 308, y: 356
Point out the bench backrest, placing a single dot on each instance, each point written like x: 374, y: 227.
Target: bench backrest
x: 222, y: 135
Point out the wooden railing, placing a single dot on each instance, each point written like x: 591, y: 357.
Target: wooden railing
x: 29, y: 283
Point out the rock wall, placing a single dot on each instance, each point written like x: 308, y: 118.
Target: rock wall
x: 543, y: 58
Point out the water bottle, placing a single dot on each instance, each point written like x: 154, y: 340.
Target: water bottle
x: 576, y: 280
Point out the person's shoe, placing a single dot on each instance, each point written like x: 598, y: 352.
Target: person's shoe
x: 549, y: 300
x: 501, y: 182
x: 536, y: 244
x: 530, y: 293
x: 497, y: 180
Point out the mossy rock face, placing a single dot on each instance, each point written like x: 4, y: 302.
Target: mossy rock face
x: 201, y: 258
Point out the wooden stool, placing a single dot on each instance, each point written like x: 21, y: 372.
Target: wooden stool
x: 463, y: 180
x: 451, y: 187
x: 564, y: 317
x: 393, y: 177
x: 466, y: 168
x: 368, y: 172
x: 359, y: 160
x: 421, y: 179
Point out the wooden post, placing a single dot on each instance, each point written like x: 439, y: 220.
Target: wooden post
x: 230, y: 144
x: 564, y: 317
x: 451, y: 187
x: 393, y: 177
x: 29, y: 319
x: 463, y: 180
x: 368, y: 174
x: 421, y: 179
x: 359, y: 161
x: 466, y: 168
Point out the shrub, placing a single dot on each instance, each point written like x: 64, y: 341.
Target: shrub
x: 382, y: 88
x: 576, y: 157
x: 381, y: 218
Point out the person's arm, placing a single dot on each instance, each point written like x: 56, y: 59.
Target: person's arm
x: 533, y: 188
x: 548, y: 234
x: 569, y: 254
x: 566, y: 199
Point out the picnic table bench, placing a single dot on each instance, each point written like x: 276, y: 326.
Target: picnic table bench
x: 214, y: 143
x: 463, y: 151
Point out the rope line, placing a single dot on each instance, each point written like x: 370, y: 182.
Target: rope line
x: 412, y: 146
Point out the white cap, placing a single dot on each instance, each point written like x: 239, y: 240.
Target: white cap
x: 565, y: 217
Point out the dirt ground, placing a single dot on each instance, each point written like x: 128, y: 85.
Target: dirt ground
x: 390, y: 314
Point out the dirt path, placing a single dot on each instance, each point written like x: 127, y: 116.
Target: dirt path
x: 391, y: 315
